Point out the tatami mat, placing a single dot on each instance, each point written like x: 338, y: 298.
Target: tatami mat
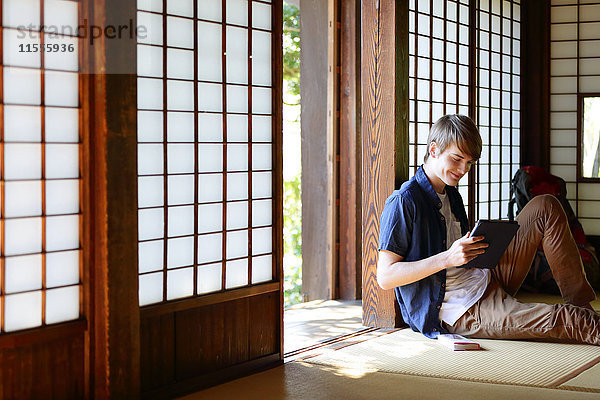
x: 505, y: 362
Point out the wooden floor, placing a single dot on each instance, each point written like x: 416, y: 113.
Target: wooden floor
x: 317, y: 322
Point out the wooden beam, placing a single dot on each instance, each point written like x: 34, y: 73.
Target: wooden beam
x: 116, y: 332
x: 383, y: 118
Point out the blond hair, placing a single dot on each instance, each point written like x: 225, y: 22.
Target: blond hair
x: 455, y: 129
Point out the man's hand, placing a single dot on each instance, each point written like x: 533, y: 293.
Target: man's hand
x: 464, y: 250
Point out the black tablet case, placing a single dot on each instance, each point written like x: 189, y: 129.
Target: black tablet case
x: 498, y: 234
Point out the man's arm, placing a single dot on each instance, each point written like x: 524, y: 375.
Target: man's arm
x: 392, y: 271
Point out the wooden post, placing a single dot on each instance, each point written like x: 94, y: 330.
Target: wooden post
x: 114, y: 332
x: 349, y: 167
x: 384, y: 138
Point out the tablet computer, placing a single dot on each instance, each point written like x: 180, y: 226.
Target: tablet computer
x: 498, y: 235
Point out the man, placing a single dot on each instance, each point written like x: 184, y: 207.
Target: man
x: 424, y: 238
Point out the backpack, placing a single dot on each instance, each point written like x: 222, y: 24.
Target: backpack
x: 527, y: 183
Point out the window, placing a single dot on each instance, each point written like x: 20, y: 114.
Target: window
x: 40, y: 148
x: 205, y: 133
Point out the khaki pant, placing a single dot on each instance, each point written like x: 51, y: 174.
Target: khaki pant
x: 499, y: 315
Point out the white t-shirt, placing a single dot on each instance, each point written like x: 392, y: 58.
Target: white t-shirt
x: 464, y: 286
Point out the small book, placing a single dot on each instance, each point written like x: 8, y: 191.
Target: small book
x: 457, y: 342
x: 498, y: 235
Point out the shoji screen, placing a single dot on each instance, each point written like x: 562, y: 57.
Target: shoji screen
x: 498, y: 104
x: 575, y: 70
x: 464, y: 58
x: 205, y: 147
x: 438, y: 71
x: 40, y: 180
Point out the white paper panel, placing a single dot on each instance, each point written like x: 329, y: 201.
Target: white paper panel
x: 588, y: 208
x: 180, y: 189
x: 237, y: 186
x: 210, y: 157
x: 17, y: 13
x: 261, y: 58
x: 181, y: 220
x: 210, y: 187
x: 262, y: 211
x: 62, y: 161
x: 563, y: 120
x: 62, y: 268
x: 261, y: 16
x: 180, y: 32
x: 590, y: 226
x: 180, y: 283
x: 22, y: 124
x: 589, y: 84
x: 62, y: 58
x: 590, y: 66
x: 21, y: 86
x: 209, y: 278
x: 210, y: 248
x: 150, y: 159
x: 62, y: 304
x: 261, y: 100
x: 22, y: 236
x: 261, y: 128
x: 563, y: 155
x: 210, y: 10
x: 210, y: 97
x: 22, y: 199
x: 261, y: 156
x: 150, y: 94
x: 151, y: 288
x: 563, y: 85
x: 262, y: 240
x: 150, y: 5
x: 62, y: 197
x: 236, y: 273
x: 180, y: 127
x: 150, y: 223
x: 237, y: 157
x: 149, y: 61
x: 587, y: 49
x: 180, y: 158
x: 181, y: 7
x: 589, y: 191
x: 237, y: 55
x: 237, y: 128
x: 62, y: 232
x: 62, y: 125
x: 61, y: 89
x: 568, y: 173
x: 261, y: 184
x: 180, y: 64
x: 210, y: 127
x: 23, y: 273
x: 150, y: 256
x: 563, y: 138
x: 210, y: 218
x: 180, y: 95
x: 13, y: 41
x: 209, y: 51
x: 563, y: 32
x: 150, y: 126
x: 237, y: 215
x: 61, y: 16
x: 563, y: 49
x: 22, y: 311
x: 180, y: 252
x: 237, y: 12
x: 590, y: 30
x: 150, y: 191
x: 262, y: 269
x: 237, y: 98
x: 237, y: 244
x: 153, y: 32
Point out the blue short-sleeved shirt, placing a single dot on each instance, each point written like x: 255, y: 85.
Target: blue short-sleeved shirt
x: 413, y: 227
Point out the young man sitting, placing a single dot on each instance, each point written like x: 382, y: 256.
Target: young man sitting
x: 424, y: 238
